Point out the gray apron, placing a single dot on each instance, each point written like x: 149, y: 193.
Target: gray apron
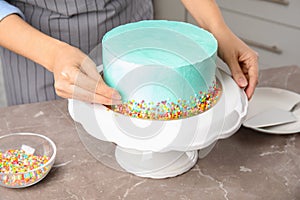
x: 81, y: 23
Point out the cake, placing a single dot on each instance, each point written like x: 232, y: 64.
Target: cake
x: 163, y: 69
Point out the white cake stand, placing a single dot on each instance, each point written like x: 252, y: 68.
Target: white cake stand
x: 161, y: 149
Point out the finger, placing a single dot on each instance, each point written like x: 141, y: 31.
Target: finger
x: 108, y: 91
x: 89, y: 68
x: 253, y: 80
x: 98, y: 87
x: 244, y: 69
x: 84, y: 95
x: 75, y: 92
x: 237, y: 74
x: 76, y: 77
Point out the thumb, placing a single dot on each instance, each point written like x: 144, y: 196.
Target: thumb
x: 237, y: 74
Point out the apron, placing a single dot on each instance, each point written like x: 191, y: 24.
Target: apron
x: 81, y: 23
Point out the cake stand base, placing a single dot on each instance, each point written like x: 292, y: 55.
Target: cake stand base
x: 155, y: 165
x: 202, y: 153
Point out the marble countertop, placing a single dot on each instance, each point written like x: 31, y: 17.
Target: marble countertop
x: 248, y: 165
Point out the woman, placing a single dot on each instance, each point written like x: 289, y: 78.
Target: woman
x: 50, y: 40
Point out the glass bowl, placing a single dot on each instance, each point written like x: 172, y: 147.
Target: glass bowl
x: 35, y: 146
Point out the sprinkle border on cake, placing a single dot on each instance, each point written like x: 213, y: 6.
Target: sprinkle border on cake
x: 167, y: 110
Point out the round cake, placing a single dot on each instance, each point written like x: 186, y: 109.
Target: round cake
x: 163, y: 69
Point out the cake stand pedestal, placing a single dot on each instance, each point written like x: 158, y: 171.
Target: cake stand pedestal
x: 154, y: 164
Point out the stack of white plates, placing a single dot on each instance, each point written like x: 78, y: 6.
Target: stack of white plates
x: 266, y: 98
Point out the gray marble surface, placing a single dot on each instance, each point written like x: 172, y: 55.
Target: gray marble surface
x: 248, y: 165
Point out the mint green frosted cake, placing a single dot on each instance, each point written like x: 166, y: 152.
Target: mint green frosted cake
x: 163, y: 69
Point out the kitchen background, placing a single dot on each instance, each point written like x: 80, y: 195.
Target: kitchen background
x: 2, y: 91
x: 270, y: 27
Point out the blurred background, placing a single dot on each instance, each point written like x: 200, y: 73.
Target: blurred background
x: 2, y: 91
x: 270, y: 27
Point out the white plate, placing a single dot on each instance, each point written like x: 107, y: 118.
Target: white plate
x: 265, y: 98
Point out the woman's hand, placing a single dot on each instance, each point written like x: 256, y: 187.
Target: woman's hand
x: 74, y: 72
x: 242, y: 61
x: 76, y: 77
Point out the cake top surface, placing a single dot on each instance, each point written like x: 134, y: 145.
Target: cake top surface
x: 160, y: 42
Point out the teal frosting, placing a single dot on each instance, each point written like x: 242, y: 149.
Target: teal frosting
x: 158, y: 60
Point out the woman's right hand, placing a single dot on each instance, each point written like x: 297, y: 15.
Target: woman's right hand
x: 74, y: 72
x: 76, y: 77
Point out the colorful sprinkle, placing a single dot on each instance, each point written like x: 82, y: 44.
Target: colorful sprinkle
x: 166, y: 110
x: 17, y: 168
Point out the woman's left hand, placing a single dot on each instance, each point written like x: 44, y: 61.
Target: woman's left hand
x: 241, y: 59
